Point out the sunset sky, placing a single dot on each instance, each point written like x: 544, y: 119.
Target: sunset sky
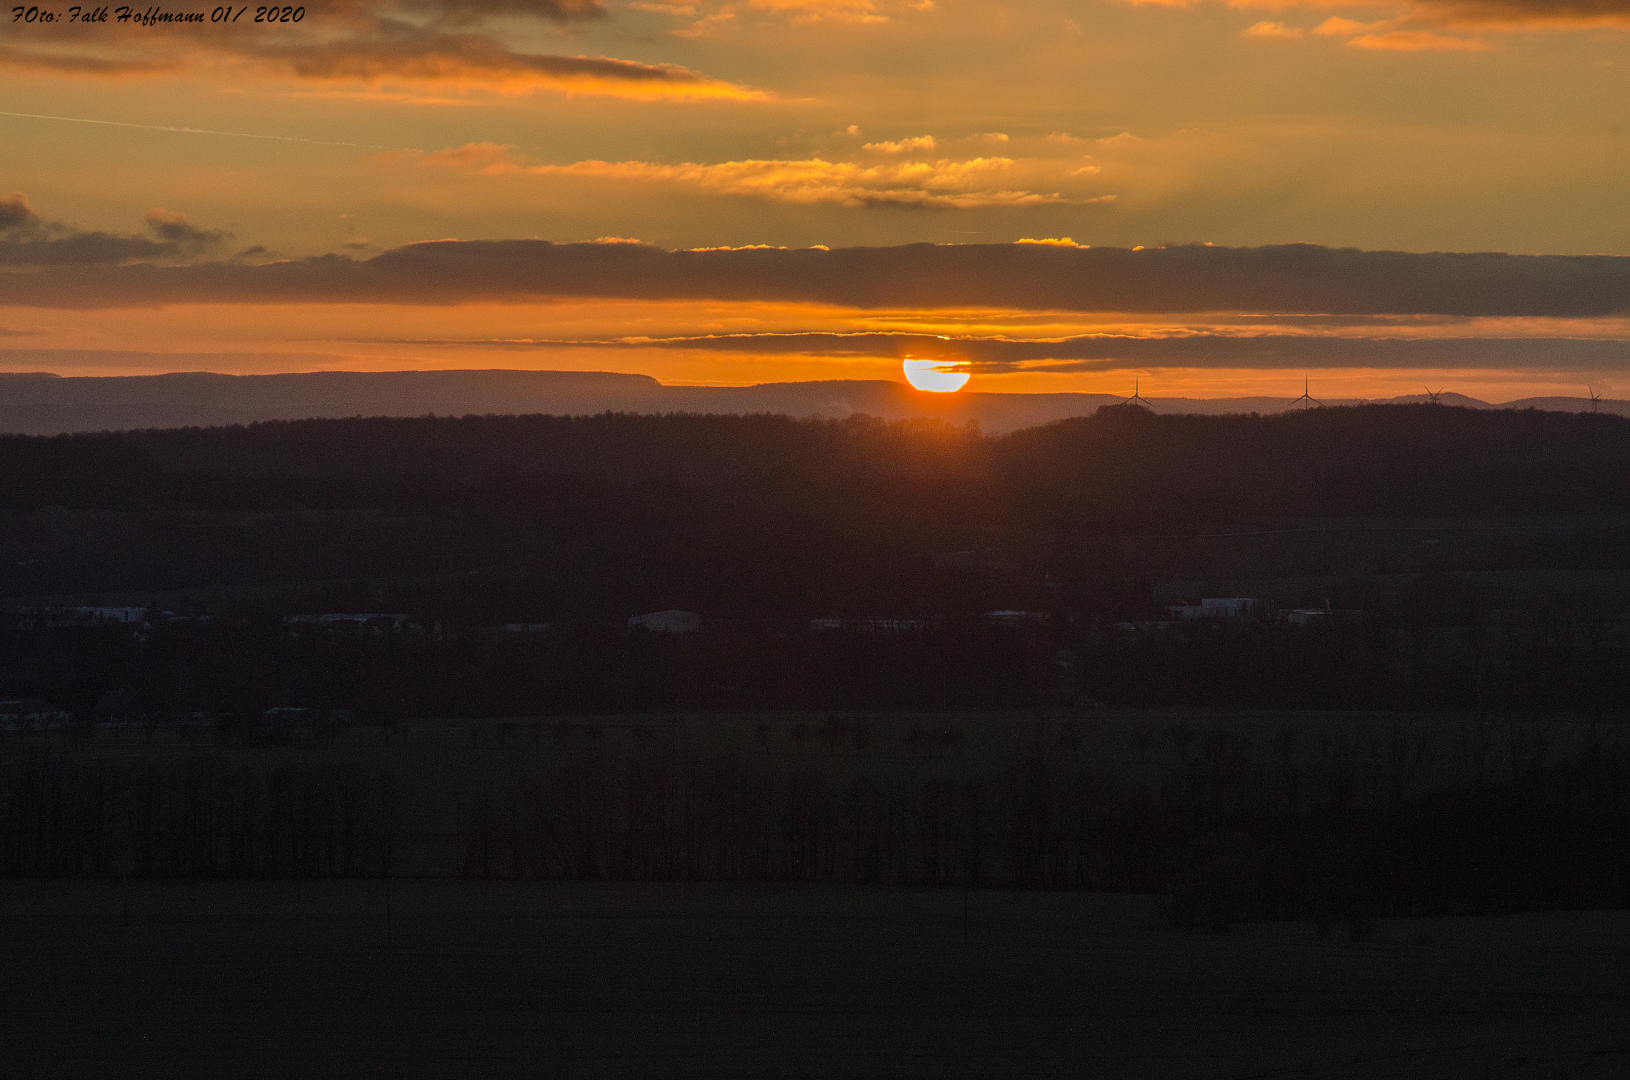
x: 243, y: 197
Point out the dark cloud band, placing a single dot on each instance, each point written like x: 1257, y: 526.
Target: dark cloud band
x: 1290, y: 279
x: 1115, y: 352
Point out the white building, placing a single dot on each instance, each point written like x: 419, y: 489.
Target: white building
x: 1230, y: 608
x: 869, y: 625
x: 1219, y: 609
x: 102, y: 616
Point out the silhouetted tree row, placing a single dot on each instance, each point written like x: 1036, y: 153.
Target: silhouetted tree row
x: 1319, y: 822
x: 194, y: 817
x: 1229, y: 820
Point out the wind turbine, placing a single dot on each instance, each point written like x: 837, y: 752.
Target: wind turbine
x: 1138, y: 399
x: 1432, y: 399
x: 1594, y: 397
x: 1306, y: 400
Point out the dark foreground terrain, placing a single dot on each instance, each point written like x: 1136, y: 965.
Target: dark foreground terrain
x: 494, y: 979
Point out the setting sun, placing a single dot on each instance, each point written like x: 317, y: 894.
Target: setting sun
x: 931, y: 375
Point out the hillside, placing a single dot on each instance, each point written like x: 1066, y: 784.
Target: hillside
x: 43, y: 404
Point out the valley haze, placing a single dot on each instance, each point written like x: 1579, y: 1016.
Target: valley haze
x: 47, y: 404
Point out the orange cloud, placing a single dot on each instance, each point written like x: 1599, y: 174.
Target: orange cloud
x: 856, y: 11
x: 944, y: 183
x: 976, y: 183
x: 922, y: 142
x: 1417, y: 41
x: 488, y: 158
x: 1416, y: 25
x: 1336, y: 25
x: 1271, y: 30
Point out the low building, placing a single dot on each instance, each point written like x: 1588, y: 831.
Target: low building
x: 869, y: 625
x: 31, y: 714
x: 103, y: 616
x: 667, y: 622
x: 378, y: 623
x: 1230, y: 608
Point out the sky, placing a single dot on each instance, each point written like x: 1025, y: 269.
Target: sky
x: 1213, y: 198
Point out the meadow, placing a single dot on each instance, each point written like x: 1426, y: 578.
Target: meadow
x: 491, y: 979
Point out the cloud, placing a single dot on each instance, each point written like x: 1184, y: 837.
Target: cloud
x: 15, y: 213
x: 944, y: 183
x: 403, y: 52
x: 461, y: 44
x: 716, y: 16
x: 1271, y: 30
x: 174, y: 228
x: 1386, y: 35
x: 1417, y: 41
x: 1528, y: 14
x: 1054, y: 241
x: 922, y: 142
x: 26, y: 239
x: 81, y: 63
x: 1110, y: 352
x: 482, y: 153
x: 486, y: 158
x: 1420, y: 25
x: 461, y: 12
x: 807, y: 11
x: 972, y: 184
x: 1282, y: 280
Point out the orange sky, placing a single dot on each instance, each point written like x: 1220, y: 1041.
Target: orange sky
x: 1476, y: 126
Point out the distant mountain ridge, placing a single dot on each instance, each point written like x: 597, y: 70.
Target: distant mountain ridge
x: 46, y: 404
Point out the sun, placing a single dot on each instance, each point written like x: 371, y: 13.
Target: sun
x: 931, y: 375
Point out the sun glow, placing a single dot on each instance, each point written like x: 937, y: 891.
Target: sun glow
x: 933, y: 376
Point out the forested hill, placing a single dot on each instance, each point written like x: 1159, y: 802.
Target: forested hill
x: 1126, y: 464
x: 730, y: 511
x: 1373, y: 460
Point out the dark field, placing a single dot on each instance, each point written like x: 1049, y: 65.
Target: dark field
x: 497, y: 979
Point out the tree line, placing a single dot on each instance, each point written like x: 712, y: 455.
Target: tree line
x: 760, y: 515
x: 1304, y: 818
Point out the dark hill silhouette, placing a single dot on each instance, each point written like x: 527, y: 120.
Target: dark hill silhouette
x: 1124, y: 464
x: 42, y: 404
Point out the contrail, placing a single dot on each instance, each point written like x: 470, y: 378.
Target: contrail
x: 194, y: 131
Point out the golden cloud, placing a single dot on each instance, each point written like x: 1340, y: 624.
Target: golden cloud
x: 857, y: 11
x: 940, y: 183
x: 1417, y: 41
x: 1271, y: 30
x: 975, y: 183
x: 922, y: 142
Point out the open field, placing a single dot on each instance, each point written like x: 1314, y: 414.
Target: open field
x: 489, y: 979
